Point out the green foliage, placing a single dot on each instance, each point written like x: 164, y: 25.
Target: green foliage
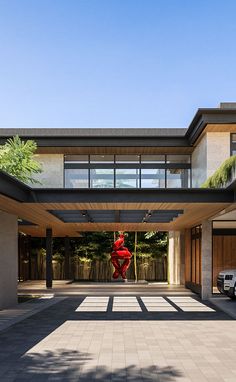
x: 16, y: 159
x: 222, y: 175
x: 98, y: 246
x: 58, y: 257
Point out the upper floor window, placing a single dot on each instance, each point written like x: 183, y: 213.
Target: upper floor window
x: 127, y: 171
x: 233, y: 144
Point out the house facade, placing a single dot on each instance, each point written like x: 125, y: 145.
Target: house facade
x: 128, y: 180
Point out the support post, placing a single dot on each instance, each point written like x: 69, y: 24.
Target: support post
x: 67, y: 257
x: 29, y: 255
x: 135, y: 256
x: 174, y: 258
x: 9, y: 260
x: 206, y: 260
x: 49, y: 258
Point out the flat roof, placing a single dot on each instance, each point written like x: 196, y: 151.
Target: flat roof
x: 54, y: 137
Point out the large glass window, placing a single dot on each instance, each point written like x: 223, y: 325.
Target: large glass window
x: 76, y: 158
x: 101, y: 158
x: 152, y: 178
x: 233, y: 144
x: 127, y: 171
x: 178, y: 178
x: 153, y: 158
x: 102, y: 178
x: 127, y: 158
x: 178, y: 159
x: 76, y: 178
x: 127, y: 178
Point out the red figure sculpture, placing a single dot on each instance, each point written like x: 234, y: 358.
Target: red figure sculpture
x: 120, y: 253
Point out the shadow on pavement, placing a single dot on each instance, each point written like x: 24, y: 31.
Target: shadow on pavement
x: 64, y: 365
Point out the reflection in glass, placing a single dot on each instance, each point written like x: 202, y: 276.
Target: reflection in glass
x: 233, y: 138
x: 127, y: 158
x: 178, y: 178
x: 101, y: 158
x: 152, y: 178
x: 76, y: 178
x: 127, y: 178
x: 178, y: 159
x: 153, y: 158
x: 102, y: 178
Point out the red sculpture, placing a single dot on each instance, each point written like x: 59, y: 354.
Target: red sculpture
x: 120, y: 253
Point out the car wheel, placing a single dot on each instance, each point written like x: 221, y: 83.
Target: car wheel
x: 232, y: 296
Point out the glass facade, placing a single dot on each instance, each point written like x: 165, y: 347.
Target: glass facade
x: 127, y: 171
x: 152, y: 178
x: 127, y: 178
x: 76, y: 178
x: 102, y: 178
x: 233, y: 144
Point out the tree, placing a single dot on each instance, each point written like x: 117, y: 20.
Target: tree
x: 16, y: 159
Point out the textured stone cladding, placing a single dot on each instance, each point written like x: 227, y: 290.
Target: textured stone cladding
x: 209, y: 154
x: 218, y: 150
x: 53, y: 169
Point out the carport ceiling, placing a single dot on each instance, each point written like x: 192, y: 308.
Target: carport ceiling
x: 116, y: 216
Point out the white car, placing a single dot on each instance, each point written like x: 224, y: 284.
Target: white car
x: 226, y: 283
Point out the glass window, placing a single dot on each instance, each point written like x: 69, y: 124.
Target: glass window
x: 233, y: 138
x: 76, y: 158
x: 153, y: 158
x: 178, y: 159
x: 76, y: 178
x: 233, y: 144
x: 101, y: 158
x: 127, y: 158
x: 127, y: 178
x: 152, y: 178
x: 102, y: 178
x: 178, y: 178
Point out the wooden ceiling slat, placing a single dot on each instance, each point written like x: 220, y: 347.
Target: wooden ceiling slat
x: 37, y: 213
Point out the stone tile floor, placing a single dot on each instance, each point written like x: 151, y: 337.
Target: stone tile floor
x: 62, y: 343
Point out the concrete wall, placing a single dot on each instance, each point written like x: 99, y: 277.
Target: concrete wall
x: 8, y: 260
x: 208, y: 155
x: 53, y: 169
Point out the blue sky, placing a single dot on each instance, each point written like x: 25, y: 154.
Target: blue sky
x: 114, y: 63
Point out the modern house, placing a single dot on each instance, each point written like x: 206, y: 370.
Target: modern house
x: 128, y: 180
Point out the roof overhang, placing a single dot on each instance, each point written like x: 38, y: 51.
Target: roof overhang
x: 125, y: 137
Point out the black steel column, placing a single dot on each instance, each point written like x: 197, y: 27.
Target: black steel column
x: 67, y: 257
x: 49, y: 258
x: 29, y: 255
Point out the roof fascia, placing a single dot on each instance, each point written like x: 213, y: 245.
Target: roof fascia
x: 14, y: 189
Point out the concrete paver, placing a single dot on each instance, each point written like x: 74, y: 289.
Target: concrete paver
x: 62, y: 344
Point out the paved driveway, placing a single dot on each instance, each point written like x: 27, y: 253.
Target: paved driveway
x: 121, y: 338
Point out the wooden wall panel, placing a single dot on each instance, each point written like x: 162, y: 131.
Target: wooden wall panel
x: 224, y: 254
x: 187, y: 255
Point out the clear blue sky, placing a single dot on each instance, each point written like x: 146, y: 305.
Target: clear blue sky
x: 114, y: 63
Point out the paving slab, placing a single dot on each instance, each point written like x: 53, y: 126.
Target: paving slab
x: 62, y: 344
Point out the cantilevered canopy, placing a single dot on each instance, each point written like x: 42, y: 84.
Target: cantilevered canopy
x: 71, y: 211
